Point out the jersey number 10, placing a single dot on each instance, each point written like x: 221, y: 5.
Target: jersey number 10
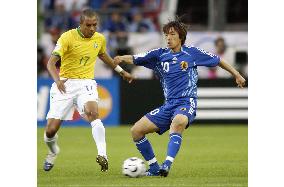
x: 166, y: 66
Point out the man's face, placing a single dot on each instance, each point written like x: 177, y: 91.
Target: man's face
x: 173, y: 39
x: 89, y: 26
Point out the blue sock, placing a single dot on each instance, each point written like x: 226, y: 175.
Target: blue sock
x: 173, y: 148
x: 145, y: 148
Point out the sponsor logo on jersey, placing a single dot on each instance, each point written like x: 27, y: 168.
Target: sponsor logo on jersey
x: 174, y: 60
x: 184, y: 65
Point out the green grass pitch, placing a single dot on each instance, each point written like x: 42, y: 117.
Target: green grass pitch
x: 209, y: 156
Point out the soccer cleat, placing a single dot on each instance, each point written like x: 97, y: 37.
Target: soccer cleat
x: 47, y: 166
x: 102, y: 162
x: 151, y: 173
x: 164, y: 170
x: 49, y: 161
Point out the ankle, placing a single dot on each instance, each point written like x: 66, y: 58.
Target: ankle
x: 167, y: 163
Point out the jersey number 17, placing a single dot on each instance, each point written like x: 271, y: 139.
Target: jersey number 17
x: 84, y: 60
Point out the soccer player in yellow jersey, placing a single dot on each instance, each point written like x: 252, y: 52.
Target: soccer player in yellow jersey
x: 74, y: 87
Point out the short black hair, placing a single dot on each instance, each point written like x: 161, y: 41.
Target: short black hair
x: 179, y: 26
x: 87, y: 13
x: 219, y: 39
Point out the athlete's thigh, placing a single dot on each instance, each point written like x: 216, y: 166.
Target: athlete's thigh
x: 145, y: 125
x: 186, y: 109
x: 88, y: 97
x: 161, y: 117
x: 61, y: 105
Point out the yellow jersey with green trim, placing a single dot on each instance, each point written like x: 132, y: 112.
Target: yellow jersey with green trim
x: 78, y: 54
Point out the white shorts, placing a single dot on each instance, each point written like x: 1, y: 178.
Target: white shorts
x: 78, y: 93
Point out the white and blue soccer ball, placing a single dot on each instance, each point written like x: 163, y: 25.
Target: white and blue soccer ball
x: 134, y: 167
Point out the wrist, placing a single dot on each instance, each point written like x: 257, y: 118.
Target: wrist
x: 56, y: 80
x: 237, y: 74
x: 118, y: 69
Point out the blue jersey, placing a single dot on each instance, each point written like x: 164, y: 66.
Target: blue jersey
x: 177, y: 71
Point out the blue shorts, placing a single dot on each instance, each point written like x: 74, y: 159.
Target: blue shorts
x: 162, y: 117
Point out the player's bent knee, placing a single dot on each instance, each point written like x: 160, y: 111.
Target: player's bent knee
x: 92, y: 115
x: 133, y: 131
x: 178, y: 128
x: 50, y: 132
x: 136, y: 131
x: 179, y: 123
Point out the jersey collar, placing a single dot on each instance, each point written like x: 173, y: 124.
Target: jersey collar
x: 181, y: 50
x: 80, y: 33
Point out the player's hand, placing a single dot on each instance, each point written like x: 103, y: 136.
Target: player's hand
x: 60, y: 85
x: 126, y: 76
x: 240, y: 81
x: 117, y: 60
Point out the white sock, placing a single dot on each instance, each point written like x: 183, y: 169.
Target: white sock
x: 169, y: 158
x: 98, y: 131
x: 52, y: 143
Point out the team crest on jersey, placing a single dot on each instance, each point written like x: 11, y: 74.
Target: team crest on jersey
x: 96, y: 45
x: 184, y: 65
x: 183, y: 109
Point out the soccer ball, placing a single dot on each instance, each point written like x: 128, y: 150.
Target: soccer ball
x: 133, y: 167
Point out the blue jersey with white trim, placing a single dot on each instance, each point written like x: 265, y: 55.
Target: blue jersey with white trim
x: 177, y: 71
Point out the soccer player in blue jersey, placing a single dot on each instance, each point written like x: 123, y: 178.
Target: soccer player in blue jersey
x: 176, y: 67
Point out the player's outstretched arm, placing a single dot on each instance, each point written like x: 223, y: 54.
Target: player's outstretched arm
x: 128, y: 59
x: 53, y: 72
x: 239, y: 79
x: 109, y: 61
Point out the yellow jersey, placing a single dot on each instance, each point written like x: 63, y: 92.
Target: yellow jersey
x: 78, y: 54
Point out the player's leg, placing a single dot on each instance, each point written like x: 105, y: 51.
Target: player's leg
x: 50, y: 134
x: 98, y: 132
x: 61, y: 108
x: 138, y: 132
x: 183, y: 116
x: 178, y: 125
x: 50, y: 138
x: 87, y: 104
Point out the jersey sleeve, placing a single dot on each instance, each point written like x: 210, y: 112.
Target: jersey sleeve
x: 61, y: 45
x: 204, y: 58
x: 148, y: 59
x: 103, y: 48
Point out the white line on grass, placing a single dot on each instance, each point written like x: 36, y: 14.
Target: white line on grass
x: 131, y: 185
